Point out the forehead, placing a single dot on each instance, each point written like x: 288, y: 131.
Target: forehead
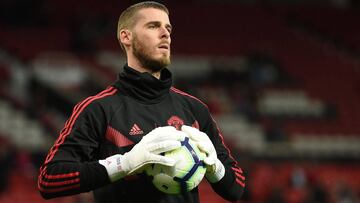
x: 152, y: 14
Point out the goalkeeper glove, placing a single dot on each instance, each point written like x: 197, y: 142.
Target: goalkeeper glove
x: 215, y: 170
x: 159, y: 140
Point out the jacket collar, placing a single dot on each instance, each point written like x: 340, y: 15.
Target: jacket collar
x: 144, y: 86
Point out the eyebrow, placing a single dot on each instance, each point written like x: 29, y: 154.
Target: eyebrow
x: 158, y: 23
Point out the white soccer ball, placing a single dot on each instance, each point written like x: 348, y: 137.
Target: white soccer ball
x: 187, y: 173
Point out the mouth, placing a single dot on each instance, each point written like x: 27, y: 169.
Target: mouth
x: 164, y: 46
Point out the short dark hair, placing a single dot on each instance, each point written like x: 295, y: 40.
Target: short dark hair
x: 128, y: 17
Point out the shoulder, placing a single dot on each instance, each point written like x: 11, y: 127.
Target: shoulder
x: 97, y: 102
x: 188, y: 98
x: 104, y: 96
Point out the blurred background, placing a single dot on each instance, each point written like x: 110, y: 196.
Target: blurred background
x: 281, y: 77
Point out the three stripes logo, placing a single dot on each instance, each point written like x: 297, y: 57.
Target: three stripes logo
x: 135, y: 130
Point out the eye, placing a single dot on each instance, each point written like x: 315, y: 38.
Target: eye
x: 169, y: 28
x: 151, y: 26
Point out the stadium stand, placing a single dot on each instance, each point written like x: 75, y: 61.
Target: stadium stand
x: 282, y: 81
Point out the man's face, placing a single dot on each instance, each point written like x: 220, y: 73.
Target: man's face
x: 151, y: 39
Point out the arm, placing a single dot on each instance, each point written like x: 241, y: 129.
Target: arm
x: 225, y: 176
x: 231, y: 186
x: 71, y: 166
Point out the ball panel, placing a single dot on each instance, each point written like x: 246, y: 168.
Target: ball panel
x: 183, y: 157
x: 165, y: 184
x: 197, y: 177
x: 187, y: 173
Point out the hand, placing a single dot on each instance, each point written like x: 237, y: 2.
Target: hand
x: 215, y: 170
x: 159, y: 140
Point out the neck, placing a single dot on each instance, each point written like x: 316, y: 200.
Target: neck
x: 135, y: 64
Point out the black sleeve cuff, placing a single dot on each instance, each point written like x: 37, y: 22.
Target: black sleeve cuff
x: 227, y: 187
x: 93, y: 175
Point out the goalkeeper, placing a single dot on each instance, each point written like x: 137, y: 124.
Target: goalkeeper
x: 110, y: 137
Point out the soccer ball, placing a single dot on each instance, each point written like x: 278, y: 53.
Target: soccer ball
x: 187, y: 173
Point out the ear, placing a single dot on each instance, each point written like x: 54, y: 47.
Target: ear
x: 125, y: 37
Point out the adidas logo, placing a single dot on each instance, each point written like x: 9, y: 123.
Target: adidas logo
x: 135, y: 130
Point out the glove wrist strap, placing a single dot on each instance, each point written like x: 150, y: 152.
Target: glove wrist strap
x: 218, y: 174
x: 113, y: 167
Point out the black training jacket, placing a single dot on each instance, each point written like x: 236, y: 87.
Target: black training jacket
x: 112, y: 122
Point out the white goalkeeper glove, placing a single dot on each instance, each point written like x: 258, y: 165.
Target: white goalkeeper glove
x: 159, y: 140
x: 215, y: 170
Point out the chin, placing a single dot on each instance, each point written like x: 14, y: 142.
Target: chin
x: 164, y: 59
x: 156, y: 65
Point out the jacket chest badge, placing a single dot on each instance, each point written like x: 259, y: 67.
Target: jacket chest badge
x: 176, y: 122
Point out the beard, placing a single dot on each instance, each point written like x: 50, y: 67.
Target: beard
x: 144, y: 56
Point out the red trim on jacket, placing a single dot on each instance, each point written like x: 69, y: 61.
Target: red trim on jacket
x: 57, y: 180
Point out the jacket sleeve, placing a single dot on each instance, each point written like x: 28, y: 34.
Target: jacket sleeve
x: 71, y: 166
x: 231, y: 186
